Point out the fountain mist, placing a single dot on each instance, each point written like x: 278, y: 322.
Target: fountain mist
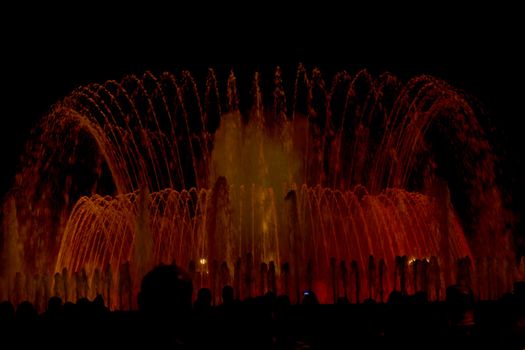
x: 294, y: 194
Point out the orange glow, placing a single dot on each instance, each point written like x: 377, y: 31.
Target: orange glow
x: 156, y: 169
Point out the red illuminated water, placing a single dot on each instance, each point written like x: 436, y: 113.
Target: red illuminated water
x: 121, y: 176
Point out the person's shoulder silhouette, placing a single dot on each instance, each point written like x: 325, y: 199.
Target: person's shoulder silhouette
x: 228, y: 295
x: 7, y: 312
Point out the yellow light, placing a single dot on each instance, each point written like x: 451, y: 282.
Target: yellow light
x: 202, y: 261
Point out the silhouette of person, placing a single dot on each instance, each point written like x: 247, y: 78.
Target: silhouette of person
x: 7, y: 318
x: 166, y: 291
x: 27, y: 324
x: 98, y: 304
x: 309, y: 298
x: 7, y: 312
x: 202, y: 305
x: 227, y: 294
x: 202, y: 317
x: 25, y: 312
x: 54, y: 309
x: 165, y: 304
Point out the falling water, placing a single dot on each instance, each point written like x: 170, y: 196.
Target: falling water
x: 121, y: 176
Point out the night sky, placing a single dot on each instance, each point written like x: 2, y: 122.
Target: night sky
x: 43, y: 64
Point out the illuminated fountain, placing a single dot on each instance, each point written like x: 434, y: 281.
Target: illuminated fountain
x: 287, y: 195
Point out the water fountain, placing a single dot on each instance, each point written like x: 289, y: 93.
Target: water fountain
x: 321, y: 188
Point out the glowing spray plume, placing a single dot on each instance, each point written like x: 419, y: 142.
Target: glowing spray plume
x: 294, y: 194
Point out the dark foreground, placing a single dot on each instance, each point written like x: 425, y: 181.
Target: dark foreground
x: 274, y: 324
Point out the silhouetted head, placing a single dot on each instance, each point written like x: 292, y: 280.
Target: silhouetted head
x: 203, y: 298
x: 26, y: 312
x: 98, y: 306
x: 166, y: 291
x: 395, y: 298
x: 227, y: 295
x: 54, y: 306
x: 69, y: 309
x: 309, y: 298
x: 98, y: 302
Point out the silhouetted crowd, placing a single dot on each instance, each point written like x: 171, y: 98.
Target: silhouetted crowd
x: 169, y: 318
